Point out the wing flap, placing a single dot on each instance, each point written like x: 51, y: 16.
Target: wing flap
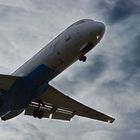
x: 61, y: 116
x: 64, y: 108
x: 49, y: 112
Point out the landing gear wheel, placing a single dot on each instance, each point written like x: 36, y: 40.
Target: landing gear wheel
x: 35, y: 113
x: 40, y: 114
x: 83, y: 58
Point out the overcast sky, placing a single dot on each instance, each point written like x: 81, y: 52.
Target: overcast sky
x: 109, y: 81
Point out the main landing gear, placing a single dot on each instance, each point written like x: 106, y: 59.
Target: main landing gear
x: 38, y: 113
x: 82, y: 58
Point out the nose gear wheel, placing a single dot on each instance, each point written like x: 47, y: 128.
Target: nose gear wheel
x: 82, y: 58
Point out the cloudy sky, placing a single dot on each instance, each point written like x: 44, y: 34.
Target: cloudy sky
x: 108, y: 81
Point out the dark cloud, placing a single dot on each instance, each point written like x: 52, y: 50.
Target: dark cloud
x: 70, y: 84
x: 94, y: 70
x: 90, y: 73
x: 130, y: 64
x: 116, y: 11
x: 122, y: 10
x: 115, y: 86
x: 24, y: 24
x: 132, y: 119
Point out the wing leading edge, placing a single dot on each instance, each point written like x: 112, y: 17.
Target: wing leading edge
x: 56, y: 105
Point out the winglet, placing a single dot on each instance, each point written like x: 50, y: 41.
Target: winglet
x: 111, y: 120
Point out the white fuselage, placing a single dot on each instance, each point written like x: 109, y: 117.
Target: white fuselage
x: 34, y: 75
x: 65, y: 48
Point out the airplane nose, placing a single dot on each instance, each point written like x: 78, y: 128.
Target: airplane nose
x: 97, y: 30
x: 100, y: 28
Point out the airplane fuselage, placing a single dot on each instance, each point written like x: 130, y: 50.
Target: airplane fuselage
x: 65, y: 49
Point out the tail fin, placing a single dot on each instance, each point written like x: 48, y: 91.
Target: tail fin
x: 6, y: 81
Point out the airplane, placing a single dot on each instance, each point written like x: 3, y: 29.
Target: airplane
x: 28, y: 89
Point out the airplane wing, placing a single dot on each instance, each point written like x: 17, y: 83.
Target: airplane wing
x: 59, y: 106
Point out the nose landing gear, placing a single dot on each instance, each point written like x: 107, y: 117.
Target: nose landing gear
x: 84, y: 50
x: 82, y: 58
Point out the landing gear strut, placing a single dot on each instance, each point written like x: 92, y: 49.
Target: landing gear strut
x: 86, y: 49
x: 82, y: 58
x: 38, y: 113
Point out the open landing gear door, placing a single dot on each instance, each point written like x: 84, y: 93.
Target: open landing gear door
x: 55, y: 105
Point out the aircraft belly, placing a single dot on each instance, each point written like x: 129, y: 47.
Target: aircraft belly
x: 28, y: 88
